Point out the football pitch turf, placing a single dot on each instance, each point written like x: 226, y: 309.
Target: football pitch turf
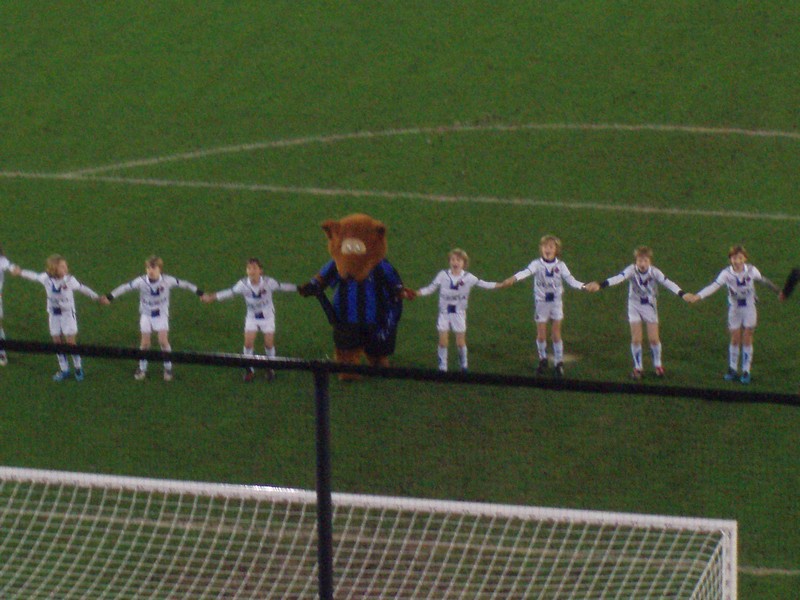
x: 208, y: 133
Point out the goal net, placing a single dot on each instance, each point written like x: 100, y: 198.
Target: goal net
x: 67, y: 535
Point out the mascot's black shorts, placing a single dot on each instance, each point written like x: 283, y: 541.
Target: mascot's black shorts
x: 374, y: 341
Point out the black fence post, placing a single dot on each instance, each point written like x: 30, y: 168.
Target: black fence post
x: 324, y: 501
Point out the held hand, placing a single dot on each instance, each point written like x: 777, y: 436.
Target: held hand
x: 781, y: 297
x: 507, y: 283
x: 592, y: 287
x: 104, y: 300
x: 407, y: 294
x: 16, y: 271
x: 208, y: 298
x: 308, y: 289
x: 691, y: 298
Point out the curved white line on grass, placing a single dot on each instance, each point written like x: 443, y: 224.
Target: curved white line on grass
x: 457, y: 128
x: 389, y: 195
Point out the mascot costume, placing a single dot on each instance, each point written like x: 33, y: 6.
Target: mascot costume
x: 367, y: 291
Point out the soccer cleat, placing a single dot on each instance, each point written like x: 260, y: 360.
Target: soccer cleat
x: 636, y: 374
x: 271, y: 375
x: 464, y: 370
x: 3, y: 360
x: 731, y: 375
x: 139, y: 375
x: 559, y: 370
x: 61, y: 375
x: 745, y: 378
x: 168, y: 375
x: 79, y: 375
x: 660, y: 372
x: 249, y: 375
x: 542, y: 368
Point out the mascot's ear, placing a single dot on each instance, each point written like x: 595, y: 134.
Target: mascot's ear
x: 381, y: 231
x: 330, y: 228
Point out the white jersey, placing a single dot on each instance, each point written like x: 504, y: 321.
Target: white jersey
x: 548, y: 278
x: 154, y: 295
x: 643, y: 288
x: 741, y: 286
x: 258, y: 296
x: 5, y: 265
x: 60, y: 291
x: 454, y: 290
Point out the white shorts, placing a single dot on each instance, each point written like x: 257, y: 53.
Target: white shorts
x: 456, y: 322
x: 638, y: 312
x: 548, y: 311
x: 264, y: 325
x: 148, y: 324
x: 742, y: 316
x: 63, y: 324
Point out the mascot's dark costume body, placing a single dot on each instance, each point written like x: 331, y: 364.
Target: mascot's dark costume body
x: 367, y: 290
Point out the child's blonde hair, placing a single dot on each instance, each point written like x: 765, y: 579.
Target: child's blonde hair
x: 460, y: 254
x: 155, y: 261
x: 51, y: 265
x: 551, y: 238
x: 738, y: 249
x: 643, y: 251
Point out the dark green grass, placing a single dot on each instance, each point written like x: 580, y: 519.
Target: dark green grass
x: 134, y: 82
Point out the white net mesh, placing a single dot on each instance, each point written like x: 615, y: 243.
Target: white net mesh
x: 80, y: 536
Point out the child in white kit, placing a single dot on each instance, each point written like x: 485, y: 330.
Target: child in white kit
x: 256, y: 289
x: 740, y: 279
x: 62, y: 318
x: 548, y: 272
x: 644, y: 280
x: 5, y: 265
x: 454, y: 286
x: 154, y: 288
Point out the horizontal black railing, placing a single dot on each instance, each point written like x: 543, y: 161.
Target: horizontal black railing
x: 737, y: 394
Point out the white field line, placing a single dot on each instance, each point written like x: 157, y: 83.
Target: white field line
x: 396, y: 195
x: 767, y: 572
x: 457, y: 128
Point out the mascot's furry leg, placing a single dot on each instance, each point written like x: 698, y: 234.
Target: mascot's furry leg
x: 349, y: 357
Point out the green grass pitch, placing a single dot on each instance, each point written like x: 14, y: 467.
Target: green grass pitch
x: 209, y: 132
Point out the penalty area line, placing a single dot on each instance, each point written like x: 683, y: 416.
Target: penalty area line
x: 400, y: 195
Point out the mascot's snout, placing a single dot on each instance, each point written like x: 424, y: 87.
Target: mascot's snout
x: 353, y: 246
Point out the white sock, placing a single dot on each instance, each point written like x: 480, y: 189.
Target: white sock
x: 442, y: 352
x: 248, y: 352
x: 63, y: 364
x: 747, y: 358
x: 462, y: 356
x: 542, y: 348
x: 167, y: 363
x: 636, y: 353
x: 733, y: 357
x: 76, y: 360
x: 656, y: 350
x: 558, y: 351
x: 269, y: 352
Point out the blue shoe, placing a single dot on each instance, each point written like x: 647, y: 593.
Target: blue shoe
x: 731, y: 375
x: 61, y: 375
x: 745, y: 378
x: 78, y: 374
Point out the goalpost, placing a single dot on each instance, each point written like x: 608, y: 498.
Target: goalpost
x: 70, y: 535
